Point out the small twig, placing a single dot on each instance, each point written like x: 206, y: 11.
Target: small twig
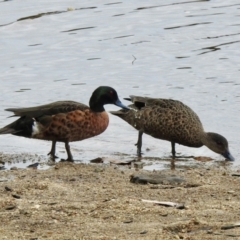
x: 167, y: 204
x: 134, y: 59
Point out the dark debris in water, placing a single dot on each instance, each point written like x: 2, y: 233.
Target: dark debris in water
x: 188, y: 25
x: 215, y: 48
x: 184, y: 68
x: 203, y: 15
x: 176, y: 3
x: 140, y: 42
x: 23, y: 90
x: 93, y: 58
x: 225, y: 35
x: 183, y: 57
x: 58, y: 80
x: 78, y: 84
x: 40, y: 15
x: 46, y: 14
x: 124, y: 36
x: 78, y: 29
x: 117, y: 15
x: 112, y: 3
x: 227, y: 82
x: 224, y: 6
x: 34, y: 45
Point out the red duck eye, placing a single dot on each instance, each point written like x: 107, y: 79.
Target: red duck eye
x: 111, y: 92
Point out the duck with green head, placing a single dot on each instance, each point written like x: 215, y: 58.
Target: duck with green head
x: 64, y: 121
x: 173, y: 121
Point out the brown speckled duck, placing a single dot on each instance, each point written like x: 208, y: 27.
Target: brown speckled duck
x: 173, y: 121
x: 64, y: 121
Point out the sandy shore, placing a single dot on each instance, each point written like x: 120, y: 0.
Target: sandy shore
x: 83, y: 201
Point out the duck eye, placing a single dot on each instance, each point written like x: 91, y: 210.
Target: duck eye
x: 219, y: 143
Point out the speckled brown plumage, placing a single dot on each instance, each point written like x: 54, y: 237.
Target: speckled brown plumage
x: 64, y: 121
x: 170, y: 120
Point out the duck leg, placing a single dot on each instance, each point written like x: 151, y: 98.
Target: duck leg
x: 139, y: 143
x: 172, y: 164
x: 70, y: 158
x: 53, y: 149
x: 173, y: 150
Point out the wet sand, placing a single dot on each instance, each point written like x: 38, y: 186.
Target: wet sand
x: 95, y: 201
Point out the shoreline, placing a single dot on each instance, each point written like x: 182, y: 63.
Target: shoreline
x: 92, y: 201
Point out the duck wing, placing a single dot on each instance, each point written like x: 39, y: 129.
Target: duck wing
x: 140, y: 102
x: 48, y: 109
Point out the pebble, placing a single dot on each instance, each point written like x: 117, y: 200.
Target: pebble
x: 37, y: 206
x: 8, y: 189
x: 128, y: 221
x: 143, y: 232
x: 164, y: 214
x: 138, y: 164
x: 10, y: 207
x: 227, y: 227
x: 180, y: 206
x: 70, y: 9
x: 97, y: 160
x: 33, y: 166
x: 155, y: 178
x: 2, y: 167
x: 24, y: 212
x: 3, y: 179
x: 13, y: 168
x: 16, y: 196
x: 98, y: 170
x: 236, y: 174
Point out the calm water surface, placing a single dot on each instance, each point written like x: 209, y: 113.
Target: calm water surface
x: 63, y: 50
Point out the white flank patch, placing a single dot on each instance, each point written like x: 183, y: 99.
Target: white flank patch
x: 35, y: 128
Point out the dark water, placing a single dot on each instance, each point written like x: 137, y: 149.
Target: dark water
x: 63, y: 50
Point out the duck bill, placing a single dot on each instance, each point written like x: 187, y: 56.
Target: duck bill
x: 119, y: 104
x: 228, y: 155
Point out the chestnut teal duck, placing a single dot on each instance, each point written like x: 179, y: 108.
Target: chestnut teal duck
x: 173, y: 121
x: 64, y: 121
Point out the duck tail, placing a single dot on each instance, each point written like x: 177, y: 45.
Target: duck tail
x: 6, y: 130
x: 21, y: 127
